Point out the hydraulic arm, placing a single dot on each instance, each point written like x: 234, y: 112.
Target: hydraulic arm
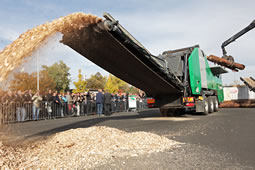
x: 233, y: 38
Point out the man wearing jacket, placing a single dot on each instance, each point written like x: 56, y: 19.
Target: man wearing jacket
x: 99, y: 102
x: 49, y: 103
x: 107, y: 103
x: 69, y: 102
x: 20, y: 110
x: 37, y: 99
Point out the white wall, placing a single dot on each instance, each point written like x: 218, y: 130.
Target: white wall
x: 235, y: 93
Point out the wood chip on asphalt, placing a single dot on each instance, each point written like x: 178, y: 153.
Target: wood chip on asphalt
x: 83, y: 148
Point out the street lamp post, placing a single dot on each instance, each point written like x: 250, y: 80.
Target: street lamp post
x: 38, y: 74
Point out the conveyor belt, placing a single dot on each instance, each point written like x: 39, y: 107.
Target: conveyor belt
x: 103, y: 48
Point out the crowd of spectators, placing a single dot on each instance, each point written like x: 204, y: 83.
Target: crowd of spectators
x: 21, y: 106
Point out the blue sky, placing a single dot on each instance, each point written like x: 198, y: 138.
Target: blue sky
x: 158, y: 25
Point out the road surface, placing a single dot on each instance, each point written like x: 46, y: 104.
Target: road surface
x: 222, y: 140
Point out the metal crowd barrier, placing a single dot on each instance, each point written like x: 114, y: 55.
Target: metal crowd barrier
x: 20, y: 112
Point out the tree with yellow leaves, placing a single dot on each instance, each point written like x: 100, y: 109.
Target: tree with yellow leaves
x: 80, y: 85
x: 115, y: 84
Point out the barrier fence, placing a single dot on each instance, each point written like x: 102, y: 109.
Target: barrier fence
x: 20, y: 112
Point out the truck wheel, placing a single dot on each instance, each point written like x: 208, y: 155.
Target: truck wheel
x: 163, y: 111
x: 179, y: 112
x: 216, y: 104
x: 206, y: 107
x: 210, y: 104
x: 170, y: 112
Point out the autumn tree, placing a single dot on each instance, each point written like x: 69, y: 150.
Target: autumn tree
x: 59, y: 72
x: 80, y: 85
x: 133, y: 90
x: 46, y: 82
x: 115, y: 84
x: 96, y: 81
x: 24, y: 81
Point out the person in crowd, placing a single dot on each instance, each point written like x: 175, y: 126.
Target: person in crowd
x: 64, y: 99
x: 103, y: 112
x: 137, y: 96
x: 30, y: 95
x: 69, y: 102
x: 82, y: 103
x: 14, y: 106
x: 118, y: 104
x: 99, y: 102
x: 75, y: 102
x: 20, y: 110
x: 113, y: 107
x: 56, y: 105
x: 93, y: 103
x: 78, y: 103
x: 123, y: 98
x: 49, y: 100
x: 8, y: 105
x: 89, y: 102
x: 61, y: 105
x: 123, y: 101
x: 29, y: 102
x: 14, y: 95
x: 107, y: 103
x: 8, y: 98
x: 141, y: 101
x: 37, y: 99
x: 127, y: 106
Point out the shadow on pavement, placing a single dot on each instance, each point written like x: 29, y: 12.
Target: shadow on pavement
x: 54, y: 127
x: 96, y: 120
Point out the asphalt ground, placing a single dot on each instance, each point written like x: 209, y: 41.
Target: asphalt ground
x: 222, y: 140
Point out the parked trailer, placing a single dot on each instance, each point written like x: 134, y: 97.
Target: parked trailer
x: 177, y: 80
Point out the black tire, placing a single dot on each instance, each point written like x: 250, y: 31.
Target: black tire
x: 163, y: 111
x: 215, y: 104
x: 211, y: 104
x: 169, y: 112
x: 175, y: 112
x: 206, y: 107
x: 179, y: 112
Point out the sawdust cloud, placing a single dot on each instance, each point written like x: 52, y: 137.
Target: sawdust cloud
x: 18, y: 56
x: 48, y: 51
x: 13, y: 55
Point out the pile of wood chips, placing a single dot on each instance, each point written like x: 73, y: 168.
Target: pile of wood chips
x: 238, y: 104
x: 13, y: 55
x: 83, y: 148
